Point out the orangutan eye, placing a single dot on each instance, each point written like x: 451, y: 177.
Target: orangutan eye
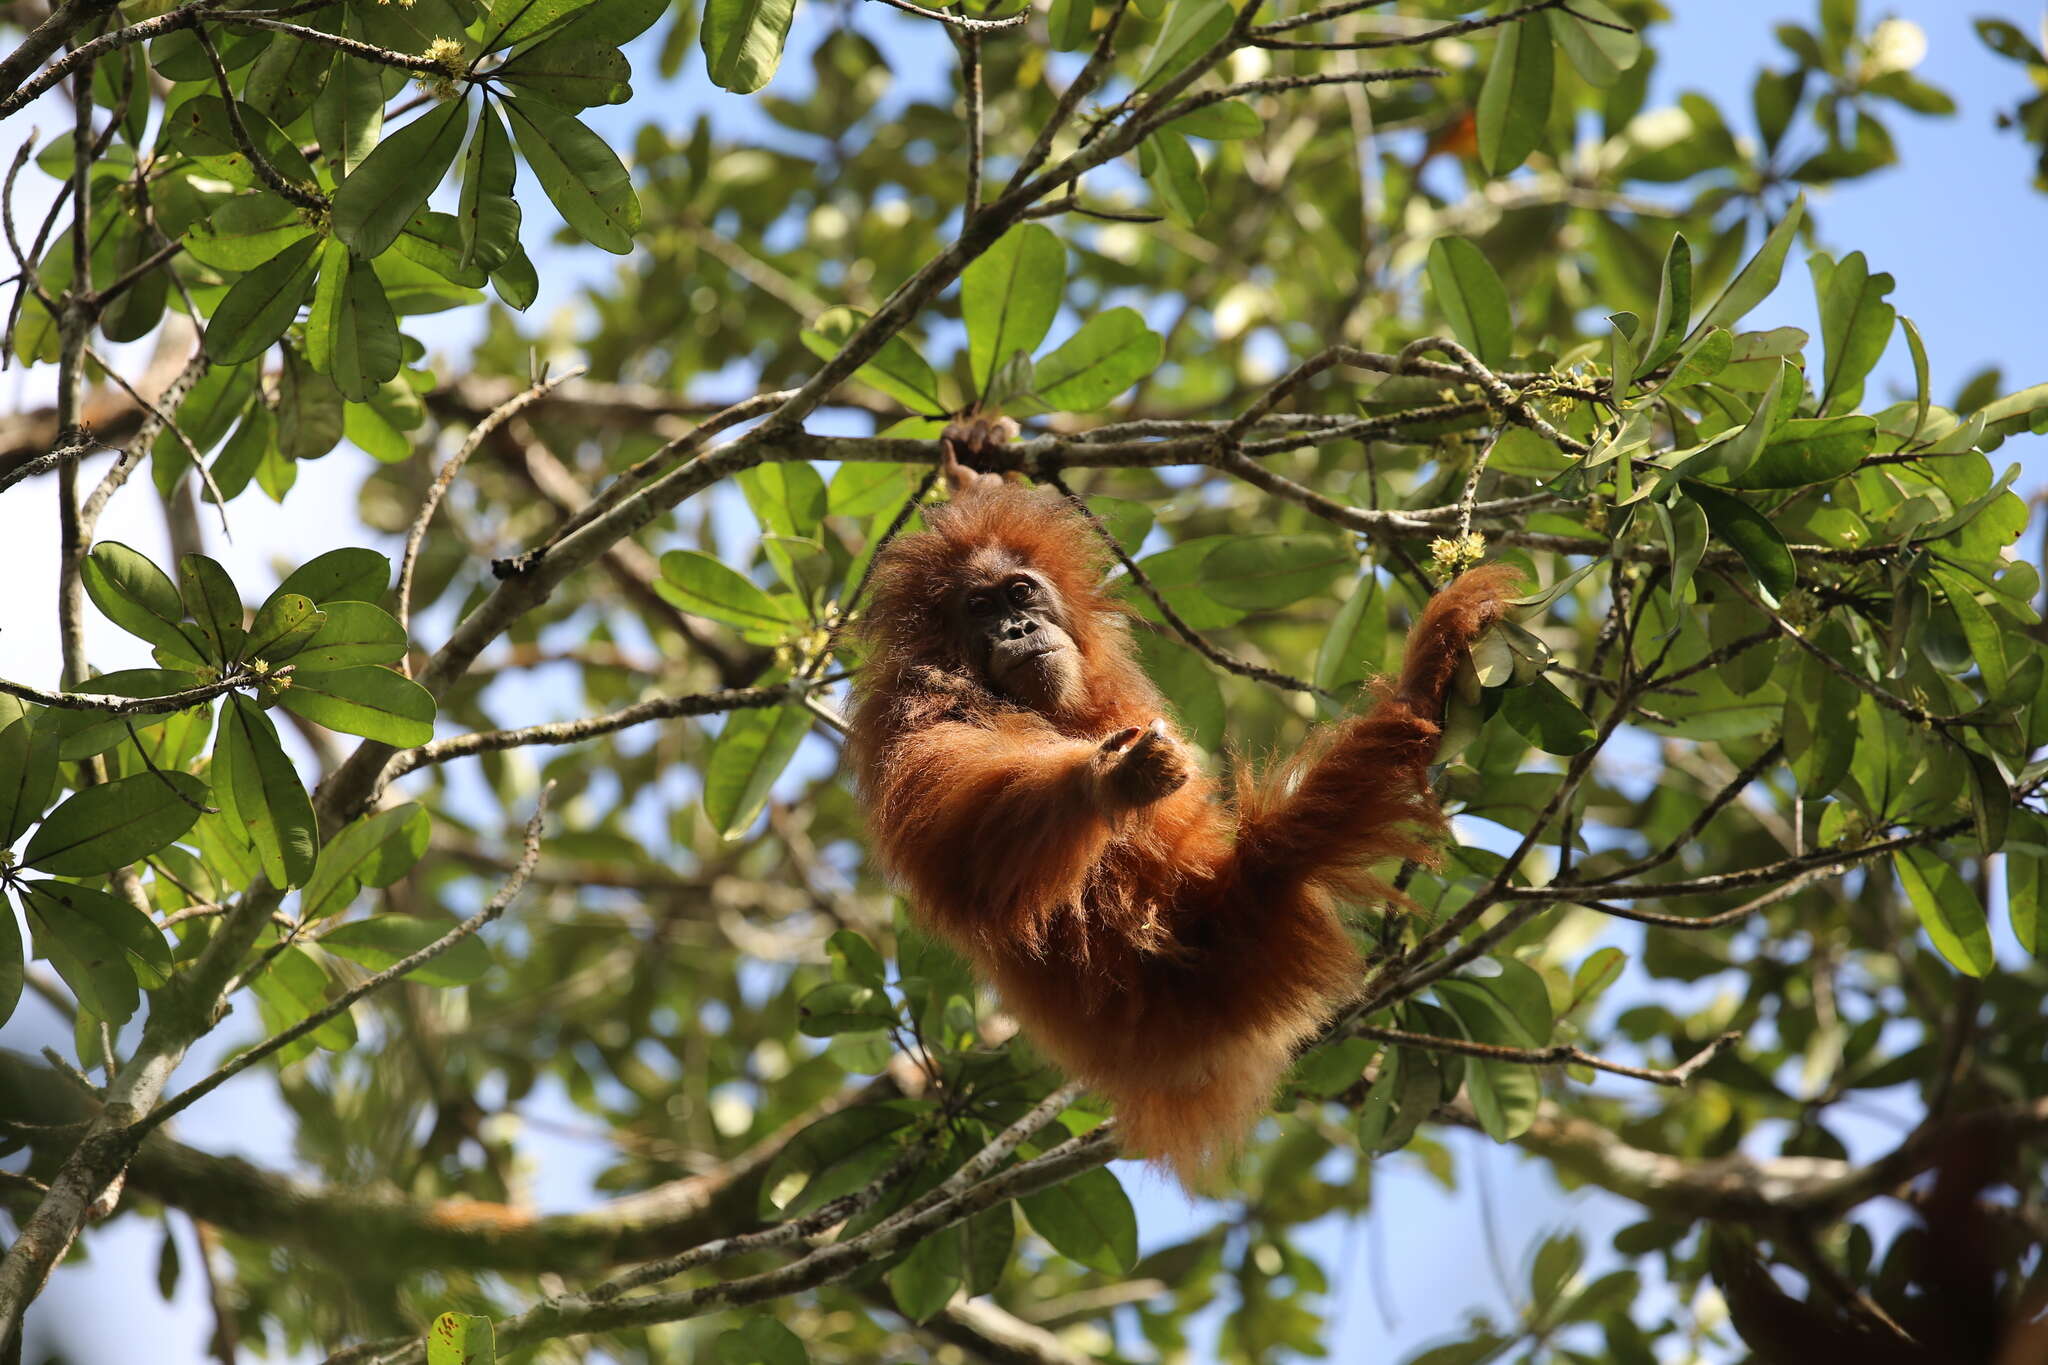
x: 980, y: 604
x: 1020, y: 591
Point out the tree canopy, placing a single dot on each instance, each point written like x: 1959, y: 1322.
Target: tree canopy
x: 527, y: 802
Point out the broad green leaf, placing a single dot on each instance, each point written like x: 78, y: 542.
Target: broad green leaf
x: 865, y: 488
x: 512, y: 22
x: 487, y: 213
x: 1820, y: 739
x: 1809, y: 450
x: 839, y: 1153
x: 375, y: 703
x: 1546, y: 717
x: 698, y: 583
x: 1223, y: 121
x: 1755, y: 280
x: 114, y: 824
x: 1514, y: 100
x: 572, y: 73
x: 1112, y: 351
x: 751, y: 750
x: 257, y: 788
x: 742, y: 41
x: 1261, y: 572
x: 94, y: 963
x: 1179, y: 574
x: 1189, y: 682
x: 374, y: 851
x: 1988, y: 644
x: 125, y: 927
x: 1170, y: 166
x: 1948, y: 909
x: 353, y: 633
x: 582, y: 175
x: 14, y: 967
x: 382, y: 940
x: 2026, y: 889
x: 140, y: 598
x: 351, y: 334
x: 1472, y: 299
x: 1191, y: 29
x: 310, y: 413
x: 1009, y: 296
x: 986, y: 1240
x: 517, y: 282
x: 1991, y: 804
x: 215, y: 605
x: 1503, y: 1094
x: 381, y: 195
x: 294, y: 987
x: 462, y: 1339
x: 350, y: 574
x: 349, y: 113
x: 896, y: 369
x: 28, y: 773
x: 245, y: 232
x: 262, y: 304
x: 787, y: 497
x: 283, y: 625
x: 1855, y: 325
x: 1741, y: 527
x: 1087, y: 1219
x: 923, y: 1281
x: 1357, y: 641
x: 1600, y: 43
x: 761, y: 1341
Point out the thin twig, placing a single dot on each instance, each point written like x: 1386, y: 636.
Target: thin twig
x: 286, y: 189
x: 961, y: 22
x: 453, y: 466
x: 1559, y: 1054
x: 128, y: 706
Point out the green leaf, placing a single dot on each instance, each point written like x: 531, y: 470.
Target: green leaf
x: 114, y: 824
x: 1472, y: 299
x: 375, y: 703
x: 14, y: 967
x: 1504, y: 1094
x: 1223, y: 121
x: 1112, y: 351
x: 742, y: 41
x: 787, y: 497
x: 349, y: 113
x: 1547, y: 718
x: 1741, y: 527
x: 1087, y: 1219
x: 570, y: 72
x: 1991, y: 803
x: 1855, y: 325
x: 294, y: 988
x: 354, y: 633
x: 761, y: 1341
x: 283, y: 625
x: 1191, y: 28
x: 258, y: 790
x: 1170, y: 166
x: 461, y: 1339
x: 91, y: 961
x: 1514, y: 100
x: 985, y: 1243
x: 897, y: 369
x: 923, y: 1281
x: 1754, y: 282
x: 1987, y: 638
x: 1948, y: 909
x: 1357, y: 641
x: 374, y: 851
x: 1820, y: 740
x: 750, y: 752
x: 381, y: 940
x: 488, y: 214
x: 140, y: 598
x: 582, y: 175
x: 349, y: 574
x: 2026, y: 889
x: 698, y: 583
x: 1809, y: 450
x: 381, y: 195
x: 516, y: 281
x: 1009, y: 296
x: 1599, y: 42
x: 866, y: 488
x: 216, y: 607
x: 133, y: 933
x: 244, y: 232
x: 262, y: 304
x: 28, y: 773
x: 310, y: 413
x: 351, y: 334
x: 513, y: 22
x: 839, y: 1153
x: 1261, y: 572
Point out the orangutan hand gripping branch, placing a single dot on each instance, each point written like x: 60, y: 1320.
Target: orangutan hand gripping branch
x: 1166, y: 947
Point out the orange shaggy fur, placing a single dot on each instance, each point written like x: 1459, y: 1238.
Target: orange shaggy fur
x: 1173, y: 956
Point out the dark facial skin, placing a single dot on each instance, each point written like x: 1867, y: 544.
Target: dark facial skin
x: 1010, y: 620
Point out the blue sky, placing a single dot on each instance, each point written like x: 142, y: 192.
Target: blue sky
x: 1956, y: 223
